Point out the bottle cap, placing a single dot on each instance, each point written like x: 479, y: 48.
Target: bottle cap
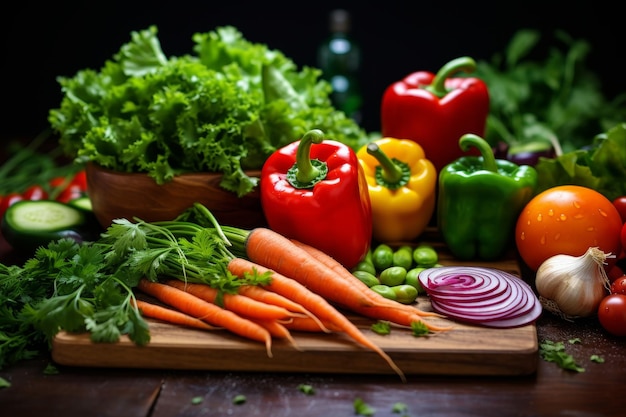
x: 339, y: 20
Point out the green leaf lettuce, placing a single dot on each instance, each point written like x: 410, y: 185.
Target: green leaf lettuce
x: 223, y: 108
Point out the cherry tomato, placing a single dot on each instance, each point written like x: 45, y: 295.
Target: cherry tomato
x: 567, y: 219
x: 80, y: 180
x: 623, y: 236
x: 71, y: 188
x: 615, y: 273
x: 35, y: 192
x: 619, y: 286
x: 8, y: 200
x: 620, y: 205
x: 612, y: 314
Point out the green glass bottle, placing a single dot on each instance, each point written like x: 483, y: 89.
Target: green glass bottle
x: 339, y: 58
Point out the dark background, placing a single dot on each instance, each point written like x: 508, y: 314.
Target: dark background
x: 41, y: 42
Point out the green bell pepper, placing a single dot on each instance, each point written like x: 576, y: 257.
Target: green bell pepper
x: 479, y: 201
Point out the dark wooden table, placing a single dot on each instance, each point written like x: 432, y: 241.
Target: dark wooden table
x: 552, y: 391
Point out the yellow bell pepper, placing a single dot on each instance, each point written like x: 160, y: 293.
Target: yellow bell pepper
x: 402, y: 188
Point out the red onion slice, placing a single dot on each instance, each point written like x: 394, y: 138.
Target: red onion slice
x: 480, y: 295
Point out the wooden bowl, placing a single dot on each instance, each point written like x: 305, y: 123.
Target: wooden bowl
x: 127, y: 195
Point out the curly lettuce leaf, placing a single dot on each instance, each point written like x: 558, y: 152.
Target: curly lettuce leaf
x: 225, y: 109
x: 602, y: 166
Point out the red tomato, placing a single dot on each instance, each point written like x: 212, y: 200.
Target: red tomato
x: 623, y: 236
x: 619, y: 286
x: 8, y: 200
x: 71, y: 188
x: 35, y: 192
x: 615, y: 273
x: 620, y: 205
x: 567, y: 219
x: 612, y: 314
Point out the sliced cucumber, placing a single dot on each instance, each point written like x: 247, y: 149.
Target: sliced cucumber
x: 83, y: 203
x: 29, y: 224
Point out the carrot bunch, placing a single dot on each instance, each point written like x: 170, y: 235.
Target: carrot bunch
x: 255, y: 283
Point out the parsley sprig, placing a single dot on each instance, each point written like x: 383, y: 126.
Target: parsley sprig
x: 88, y: 287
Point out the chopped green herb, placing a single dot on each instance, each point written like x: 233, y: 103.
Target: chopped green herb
x: 596, y: 359
x: 239, y: 399
x: 307, y: 389
x: 574, y: 341
x: 197, y: 400
x: 419, y: 329
x: 362, y: 409
x: 51, y: 370
x: 400, y: 408
x: 4, y: 383
x: 381, y: 327
x: 555, y: 352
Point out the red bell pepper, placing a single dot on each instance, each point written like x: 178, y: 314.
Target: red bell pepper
x: 436, y: 110
x: 314, y: 190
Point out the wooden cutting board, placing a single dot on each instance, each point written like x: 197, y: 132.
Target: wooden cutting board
x: 464, y: 350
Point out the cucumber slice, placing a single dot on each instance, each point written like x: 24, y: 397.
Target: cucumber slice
x: 29, y: 224
x: 83, y: 203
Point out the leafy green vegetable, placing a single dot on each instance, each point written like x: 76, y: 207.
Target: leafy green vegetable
x: 538, y: 98
x: 88, y: 287
x: 400, y: 408
x: 224, y: 108
x: 306, y: 389
x: 419, y: 329
x: 601, y: 166
x: 596, y: 359
x: 555, y: 352
x: 381, y: 327
x: 239, y: 399
x: 363, y: 409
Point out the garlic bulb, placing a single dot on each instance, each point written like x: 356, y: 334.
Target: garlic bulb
x: 573, y: 286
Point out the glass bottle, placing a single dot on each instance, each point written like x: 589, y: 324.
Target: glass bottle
x: 339, y: 58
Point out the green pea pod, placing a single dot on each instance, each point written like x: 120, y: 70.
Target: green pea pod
x: 393, y: 275
x: 366, y: 277
x: 405, y: 294
x: 384, y: 290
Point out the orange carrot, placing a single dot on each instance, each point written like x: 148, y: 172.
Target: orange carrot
x: 261, y: 294
x: 313, y: 302
x: 211, y: 313
x: 276, y: 252
x: 278, y: 330
x: 342, y: 272
x: 168, y: 315
x: 237, y: 303
x: 307, y: 324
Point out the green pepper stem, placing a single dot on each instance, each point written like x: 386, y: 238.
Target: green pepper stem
x: 438, y: 87
x: 489, y: 160
x: 392, y: 174
x: 307, y: 172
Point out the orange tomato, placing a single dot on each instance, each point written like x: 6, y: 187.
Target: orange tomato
x: 567, y: 220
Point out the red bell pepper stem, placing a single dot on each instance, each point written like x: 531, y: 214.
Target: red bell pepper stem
x: 391, y: 174
x: 438, y: 87
x: 489, y: 160
x: 305, y: 173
